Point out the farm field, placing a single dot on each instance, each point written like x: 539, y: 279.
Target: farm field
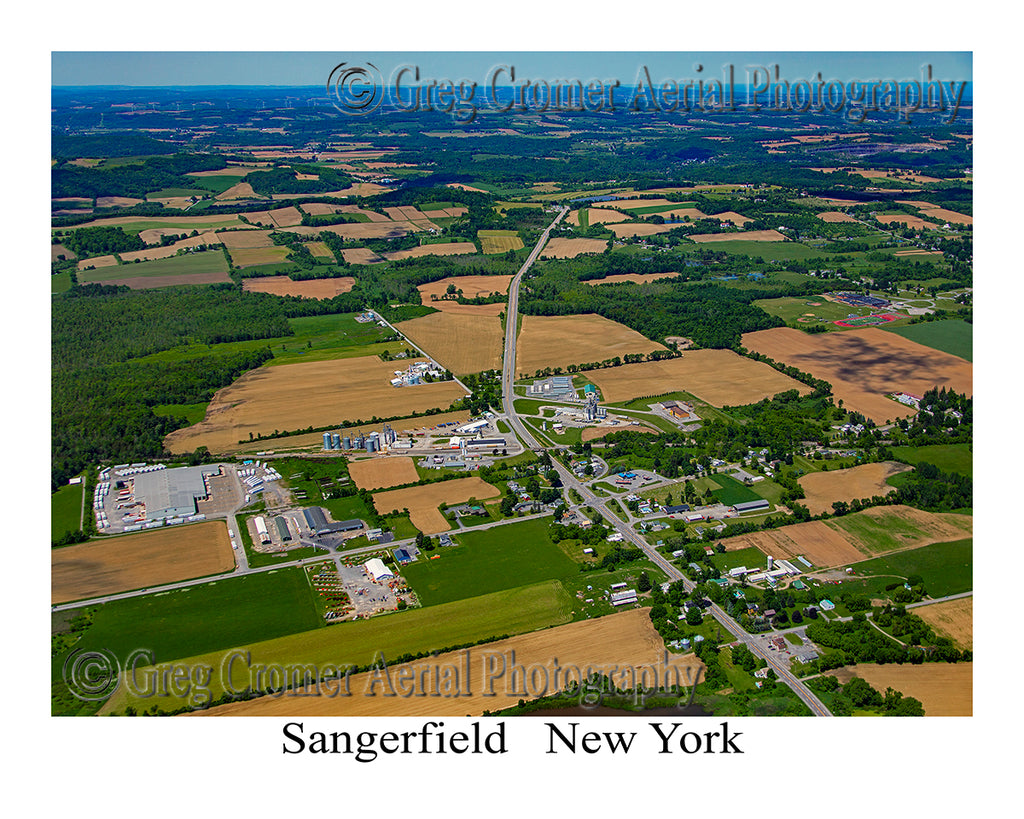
x: 499, y: 241
x: 856, y: 537
x: 169, y: 224
x: 864, y: 365
x: 207, y: 238
x: 864, y: 481
x: 815, y: 540
x: 636, y: 278
x: 313, y: 441
x: 380, y: 473
x: 947, y: 457
x: 947, y: 567
x: 459, y: 343
x: 435, y: 249
x: 953, y: 336
x: 627, y: 230
x: 66, y: 509
x: 514, y: 611
x: 489, y: 560
x: 139, y: 560
x: 563, y: 248
x: 207, y: 617
x: 472, y: 287
x: 884, y: 529
x: 251, y: 256
x: 307, y: 289
x: 194, y: 268
x: 237, y: 239
x: 719, y: 377
x: 423, y: 501
x: 953, y: 619
x: 742, y: 236
x: 944, y: 689
x: 295, y: 396
x: 834, y: 216
x: 557, y: 341
x: 622, y: 640
x: 595, y: 216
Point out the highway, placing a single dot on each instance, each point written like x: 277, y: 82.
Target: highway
x: 591, y: 500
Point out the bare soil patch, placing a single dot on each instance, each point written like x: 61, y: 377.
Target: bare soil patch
x: 423, y: 501
x: 864, y: 481
x: 308, y: 289
x: 953, y: 619
x: 151, y: 282
x: 720, y: 377
x: 139, y: 560
x: 382, y: 472
x: 944, y: 689
x: 606, y: 644
x: 552, y: 341
x: 360, y: 255
x: 864, y: 365
x: 314, y: 393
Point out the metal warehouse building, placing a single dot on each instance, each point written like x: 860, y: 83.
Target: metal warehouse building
x: 751, y: 506
x: 171, y: 493
x: 316, y: 520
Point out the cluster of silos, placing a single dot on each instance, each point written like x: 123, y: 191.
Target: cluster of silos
x: 374, y: 442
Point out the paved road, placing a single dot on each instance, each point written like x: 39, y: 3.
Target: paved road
x: 591, y: 500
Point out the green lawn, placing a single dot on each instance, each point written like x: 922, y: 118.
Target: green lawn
x: 751, y: 557
x: 790, y: 309
x: 947, y: 457
x: 732, y: 491
x: 66, y: 510
x: 947, y: 568
x: 189, y: 264
x: 487, y: 561
x: 953, y: 336
x: 60, y: 282
x: 192, y: 413
x: 513, y: 611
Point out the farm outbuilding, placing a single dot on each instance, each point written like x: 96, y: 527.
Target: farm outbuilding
x: 751, y: 506
x: 378, y: 571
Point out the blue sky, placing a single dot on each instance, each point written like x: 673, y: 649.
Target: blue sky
x: 312, y: 68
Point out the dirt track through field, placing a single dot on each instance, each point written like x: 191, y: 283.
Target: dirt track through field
x: 139, y: 560
x: 625, y: 640
x: 864, y: 365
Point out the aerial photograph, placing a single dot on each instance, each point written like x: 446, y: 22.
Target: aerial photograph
x: 529, y: 429
x: 445, y: 385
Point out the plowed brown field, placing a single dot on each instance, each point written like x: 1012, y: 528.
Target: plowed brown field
x: 814, y: 540
x: 864, y: 365
x: 139, y: 560
x: 309, y: 288
x: 636, y: 278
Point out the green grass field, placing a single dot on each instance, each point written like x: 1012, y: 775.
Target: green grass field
x: 881, y: 533
x: 952, y: 336
x: 166, y: 193
x: 947, y: 457
x: 66, y: 510
x: 732, y: 491
x: 947, y: 568
x: 190, y: 264
x: 769, y: 251
x: 199, y: 619
x: 487, y: 561
x: 750, y: 557
x: 60, y: 282
x: 514, y: 611
x: 790, y: 309
x: 216, y: 184
x: 192, y: 413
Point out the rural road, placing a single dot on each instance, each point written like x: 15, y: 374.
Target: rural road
x: 601, y: 504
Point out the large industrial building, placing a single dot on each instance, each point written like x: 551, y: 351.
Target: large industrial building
x: 172, y: 493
